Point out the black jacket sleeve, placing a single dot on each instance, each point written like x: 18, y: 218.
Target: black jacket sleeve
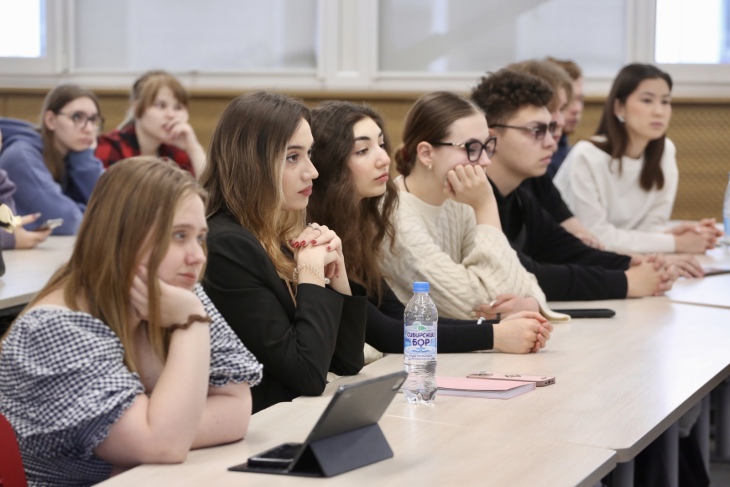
x: 297, y: 345
x: 565, y: 267
x: 545, y: 192
x: 384, y: 329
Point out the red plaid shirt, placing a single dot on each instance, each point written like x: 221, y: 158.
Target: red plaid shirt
x: 121, y: 144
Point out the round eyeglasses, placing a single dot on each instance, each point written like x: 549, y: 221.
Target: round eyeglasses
x: 474, y: 148
x: 80, y: 119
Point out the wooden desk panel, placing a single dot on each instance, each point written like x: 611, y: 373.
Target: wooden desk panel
x: 620, y: 382
x: 434, y: 453
x: 706, y: 291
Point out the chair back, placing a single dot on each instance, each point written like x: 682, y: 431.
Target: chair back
x: 12, y: 473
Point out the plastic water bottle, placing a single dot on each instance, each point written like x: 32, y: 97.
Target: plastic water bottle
x: 726, y: 213
x: 419, y: 348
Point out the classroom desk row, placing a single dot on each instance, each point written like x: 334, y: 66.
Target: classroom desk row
x: 620, y: 384
x: 27, y: 271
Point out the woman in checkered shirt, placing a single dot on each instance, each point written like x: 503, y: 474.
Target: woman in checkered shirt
x: 122, y: 359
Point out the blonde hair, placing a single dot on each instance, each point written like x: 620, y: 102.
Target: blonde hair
x: 554, y: 74
x: 55, y: 100
x: 245, y: 165
x: 145, y: 90
x: 130, y: 213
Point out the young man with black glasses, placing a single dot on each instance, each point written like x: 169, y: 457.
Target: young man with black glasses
x: 566, y: 269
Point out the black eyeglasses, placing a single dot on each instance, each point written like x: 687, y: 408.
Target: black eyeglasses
x: 80, y: 119
x: 539, y: 130
x: 474, y: 148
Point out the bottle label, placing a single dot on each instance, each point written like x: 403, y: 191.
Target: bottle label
x: 420, y: 341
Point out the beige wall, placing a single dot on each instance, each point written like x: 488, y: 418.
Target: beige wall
x: 700, y: 129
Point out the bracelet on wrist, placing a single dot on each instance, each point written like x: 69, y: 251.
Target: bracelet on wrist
x: 191, y: 319
x: 308, y: 268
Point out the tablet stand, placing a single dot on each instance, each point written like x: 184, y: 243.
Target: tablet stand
x: 336, y: 454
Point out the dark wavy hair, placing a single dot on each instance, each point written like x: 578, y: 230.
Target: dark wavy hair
x: 555, y: 75
x: 362, y: 225
x: 616, y: 136
x: 502, y: 94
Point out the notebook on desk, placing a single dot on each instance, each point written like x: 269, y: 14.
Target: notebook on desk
x: 486, y: 388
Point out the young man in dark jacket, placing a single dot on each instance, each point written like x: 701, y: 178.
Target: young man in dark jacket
x: 566, y: 269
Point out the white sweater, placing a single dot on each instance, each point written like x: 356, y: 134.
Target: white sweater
x: 613, y: 206
x: 465, y: 263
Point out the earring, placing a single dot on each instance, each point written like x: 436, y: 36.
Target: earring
x: 430, y: 167
x: 620, y: 118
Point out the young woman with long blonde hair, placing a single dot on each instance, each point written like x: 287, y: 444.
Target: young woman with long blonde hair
x: 122, y: 359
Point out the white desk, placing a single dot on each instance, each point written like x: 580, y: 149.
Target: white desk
x: 707, y: 291
x: 425, y: 453
x: 27, y: 271
x: 620, y: 382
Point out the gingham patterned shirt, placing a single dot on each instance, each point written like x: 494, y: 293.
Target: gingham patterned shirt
x: 63, y: 384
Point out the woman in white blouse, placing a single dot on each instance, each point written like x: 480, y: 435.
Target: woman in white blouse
x: 622, y: 182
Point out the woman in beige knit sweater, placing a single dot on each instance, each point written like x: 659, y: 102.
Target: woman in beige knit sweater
x: 447, y: 225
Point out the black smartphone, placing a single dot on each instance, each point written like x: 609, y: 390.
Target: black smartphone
x: 278, y: 457
x: 587, y: 313
x: 716, y: 271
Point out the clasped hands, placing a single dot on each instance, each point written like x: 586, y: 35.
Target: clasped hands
x: 523, y: 330
x: 319, y: 246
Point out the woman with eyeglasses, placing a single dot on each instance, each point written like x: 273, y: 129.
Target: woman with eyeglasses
x: 156, y: 126
x: 355, y: 196
x: 622, y: 183
x: 53, y: 165
x: 447, y: 228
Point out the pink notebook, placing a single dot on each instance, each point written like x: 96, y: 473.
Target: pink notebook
x: 491, y: 389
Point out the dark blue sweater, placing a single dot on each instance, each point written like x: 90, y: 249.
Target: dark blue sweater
x: 37, y: 191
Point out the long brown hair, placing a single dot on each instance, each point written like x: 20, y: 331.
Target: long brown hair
x: 615, y: 133
x: 362, y: 225
x: 130, y: 213
x: 245, y: 165
x: 55, y: 100
x: 429, y: 120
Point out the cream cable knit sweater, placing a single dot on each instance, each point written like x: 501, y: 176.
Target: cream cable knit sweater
x: 465, y: 263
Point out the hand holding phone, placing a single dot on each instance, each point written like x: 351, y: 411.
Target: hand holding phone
x: 50, y: 224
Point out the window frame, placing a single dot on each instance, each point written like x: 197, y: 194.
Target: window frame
x: 347, y: 60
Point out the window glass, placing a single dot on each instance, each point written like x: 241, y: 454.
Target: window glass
x: 692, y: 32
x: 448, y: 36
x: 22, y: 28
x: 192, y: 35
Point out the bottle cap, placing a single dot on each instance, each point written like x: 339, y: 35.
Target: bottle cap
x: 420, y: 287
